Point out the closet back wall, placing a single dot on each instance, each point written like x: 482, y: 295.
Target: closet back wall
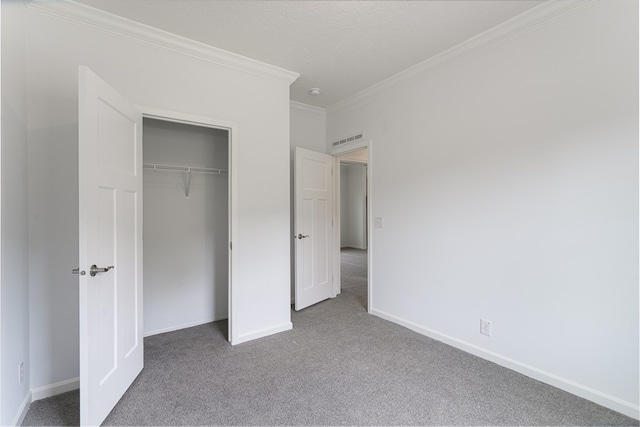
x: 185, y: 239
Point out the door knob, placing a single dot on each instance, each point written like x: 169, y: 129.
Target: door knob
x: 300, y: 236
x: 95, y: 270
x: 77, y: 271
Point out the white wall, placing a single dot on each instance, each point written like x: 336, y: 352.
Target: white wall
x: 168, y: 80
x: 308, y: 127
x: 360, y: 156
x: 353, y: 191
x: 15, y: 285
x: 185, y: 239
x: 508, y: 184
x: 308, y: 130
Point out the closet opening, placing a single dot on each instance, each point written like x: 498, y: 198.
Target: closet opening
x: 186, y: 225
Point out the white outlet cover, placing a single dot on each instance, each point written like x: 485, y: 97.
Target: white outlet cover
x: 379, y: 222
x: 485, y: 327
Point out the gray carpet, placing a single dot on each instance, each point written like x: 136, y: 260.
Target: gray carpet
x: 353, y: 274
x: 338, y: 366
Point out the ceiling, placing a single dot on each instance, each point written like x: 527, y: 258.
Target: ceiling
x: 341, y: 47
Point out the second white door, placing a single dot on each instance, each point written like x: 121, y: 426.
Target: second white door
x: 313, y: 227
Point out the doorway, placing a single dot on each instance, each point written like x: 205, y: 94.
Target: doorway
x: 186, y: 225
x: 353, y: 220
x: 317, y: 237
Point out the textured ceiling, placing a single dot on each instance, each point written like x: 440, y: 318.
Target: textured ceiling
x: 341, y: 47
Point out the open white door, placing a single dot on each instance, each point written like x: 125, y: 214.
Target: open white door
x: 313, y: 224
x: 110, y: 196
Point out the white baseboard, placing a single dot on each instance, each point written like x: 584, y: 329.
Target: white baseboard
x: 55, y: 389
x: 22, y: 411
x: 627, y: 408
x: 185, y: 325
x: 262, y: 333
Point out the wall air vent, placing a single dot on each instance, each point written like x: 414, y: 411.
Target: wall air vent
x: 347, y: 139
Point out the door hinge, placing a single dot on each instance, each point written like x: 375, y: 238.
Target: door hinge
x: 230, y: 245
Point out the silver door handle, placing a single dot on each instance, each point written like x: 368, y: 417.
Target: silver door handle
x: 77, y: 271
x: 95, y: 270
x: 300, y: 236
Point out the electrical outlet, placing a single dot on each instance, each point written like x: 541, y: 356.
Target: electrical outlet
x: 379, y: 222
x: 485, y: 327
x: 20, y: 373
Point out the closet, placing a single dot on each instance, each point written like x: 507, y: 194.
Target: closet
x: 186, y: 223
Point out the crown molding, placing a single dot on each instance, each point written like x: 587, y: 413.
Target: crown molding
x: 307, y: 108
x: 90, y: 17
x: 515, y: 27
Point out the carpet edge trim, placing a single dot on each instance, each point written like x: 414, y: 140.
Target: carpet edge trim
x: 55, y: 389
x: 185, y: 325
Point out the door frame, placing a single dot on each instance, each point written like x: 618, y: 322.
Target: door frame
x: 232, y: 215
x: 335, y: 153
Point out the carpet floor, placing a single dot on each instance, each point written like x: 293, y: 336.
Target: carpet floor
x: 338, y: 366
x: 353, y: 274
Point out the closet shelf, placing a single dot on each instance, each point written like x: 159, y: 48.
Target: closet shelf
x: 188, y: 169
x: 176, y: 168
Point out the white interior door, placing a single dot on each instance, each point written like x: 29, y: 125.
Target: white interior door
x: 313, y: 188
x: 110, y: 198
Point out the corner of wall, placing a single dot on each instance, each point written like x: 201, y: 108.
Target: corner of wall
x: 14, y: 323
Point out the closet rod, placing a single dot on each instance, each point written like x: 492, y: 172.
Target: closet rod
x: 175, y: 168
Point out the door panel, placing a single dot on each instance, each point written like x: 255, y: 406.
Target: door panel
x: 314, y: 231
x: 128, y: 339
x: 110, y: 196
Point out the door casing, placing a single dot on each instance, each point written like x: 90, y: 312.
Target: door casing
x: 232, y: 129
x: 368, y: 144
